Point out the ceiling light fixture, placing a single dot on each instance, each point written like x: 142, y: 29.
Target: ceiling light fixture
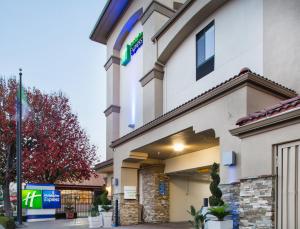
x: 178, y: 147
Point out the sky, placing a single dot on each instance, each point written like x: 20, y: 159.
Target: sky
x: 50, y: 41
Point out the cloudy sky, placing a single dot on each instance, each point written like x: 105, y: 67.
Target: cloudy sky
x: 50, y: 41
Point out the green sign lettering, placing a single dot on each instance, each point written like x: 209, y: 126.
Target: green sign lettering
x: 131, y: 49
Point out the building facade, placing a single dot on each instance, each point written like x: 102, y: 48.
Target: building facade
x: 193, y: 82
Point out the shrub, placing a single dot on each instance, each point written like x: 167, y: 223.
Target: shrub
x: 216, y: 198
x: 7, y: 223
x: 219, y: 211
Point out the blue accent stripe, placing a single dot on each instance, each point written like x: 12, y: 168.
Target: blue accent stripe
x: 51, y: 185
x: 40, y: 216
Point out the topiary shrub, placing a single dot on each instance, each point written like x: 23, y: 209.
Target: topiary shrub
x: 216, y: 198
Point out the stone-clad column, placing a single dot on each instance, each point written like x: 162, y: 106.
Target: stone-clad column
x: 155, y: 201
x: 231, y: 196
x: 128, y: 210
x: 257, y: 203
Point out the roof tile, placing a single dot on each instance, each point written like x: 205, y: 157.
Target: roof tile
x: 281, y: 107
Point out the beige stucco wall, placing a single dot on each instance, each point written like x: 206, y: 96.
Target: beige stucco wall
x: 152, y: 100
x: 257, y: 156
x: 193, y: 160
x: 281, y: 42
x: 221, y: 116
x: 183, y: 194
x: 151, y: 26
x: 258, y: 100
x: 131, y: 94
x: 134, y: 6
x: 238, y: 43
x: 112, y: 132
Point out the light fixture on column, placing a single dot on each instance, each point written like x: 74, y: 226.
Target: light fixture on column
x: 132, y: 126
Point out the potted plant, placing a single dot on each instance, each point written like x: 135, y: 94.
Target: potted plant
x: 198, y: 218
x: 102, y: 200
x: 94, y: 218
x: 105, y: 208
x: 106, y: 215
x: 69, y: 210
x: 217, y: 209
x: 220, y: 212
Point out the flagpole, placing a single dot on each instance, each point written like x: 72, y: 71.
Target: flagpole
x: 19, y: 151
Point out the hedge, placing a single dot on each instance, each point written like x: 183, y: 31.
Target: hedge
x: 7, y: 223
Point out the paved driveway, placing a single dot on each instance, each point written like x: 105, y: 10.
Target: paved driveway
x: 82, y: 223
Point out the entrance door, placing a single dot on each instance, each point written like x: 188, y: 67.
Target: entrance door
x: 288, y: 186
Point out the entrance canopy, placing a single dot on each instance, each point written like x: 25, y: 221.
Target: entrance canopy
x: 177, y: 144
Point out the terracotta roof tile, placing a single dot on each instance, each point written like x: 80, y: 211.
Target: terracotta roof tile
x: 97, y: 180
x: 283, y: 106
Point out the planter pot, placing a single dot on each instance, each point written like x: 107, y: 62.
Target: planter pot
x: 226, y: 224
x: 69, y: 215
x: 95, y: 222
x: 107, y: 218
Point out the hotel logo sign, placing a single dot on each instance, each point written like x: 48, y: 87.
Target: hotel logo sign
x: 131, y: 49
x: 51, y: 199
x: 41, y: 199
x: 32, y: 199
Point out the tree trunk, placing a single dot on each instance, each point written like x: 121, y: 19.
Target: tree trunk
x: 6, y: 199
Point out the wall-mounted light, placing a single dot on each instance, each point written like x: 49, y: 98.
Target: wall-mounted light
x: 178, y: 147
x: 108, y: 189
x: 132, y: 126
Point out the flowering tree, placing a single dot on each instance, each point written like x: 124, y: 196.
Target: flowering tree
x: 55, y: 147
x: 7, y: 138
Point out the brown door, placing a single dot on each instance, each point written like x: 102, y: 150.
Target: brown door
x: 288, y: 198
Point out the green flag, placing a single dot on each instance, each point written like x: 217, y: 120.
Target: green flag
x: 24, y: 101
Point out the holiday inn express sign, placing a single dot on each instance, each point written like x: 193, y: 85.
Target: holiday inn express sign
x: 131, y: 49
x: 41, y: 199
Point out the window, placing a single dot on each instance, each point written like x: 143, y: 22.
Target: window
x: 205, y: 51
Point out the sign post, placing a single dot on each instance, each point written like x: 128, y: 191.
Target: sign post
x: 19, y: 151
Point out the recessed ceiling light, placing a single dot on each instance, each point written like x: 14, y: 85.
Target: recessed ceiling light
x: 178, y: 147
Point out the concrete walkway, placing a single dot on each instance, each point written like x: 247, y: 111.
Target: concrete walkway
x: 82, y: 223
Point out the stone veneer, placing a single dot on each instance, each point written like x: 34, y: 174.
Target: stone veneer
x: 155, y: 205
x: 257, y: 203
x: 128, y: 210
x: 231, y: 196
x: 252, y: 201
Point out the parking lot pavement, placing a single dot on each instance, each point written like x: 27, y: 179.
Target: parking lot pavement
x: 82, y: 223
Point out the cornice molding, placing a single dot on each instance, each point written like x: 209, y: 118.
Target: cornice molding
x: 152, y: 74
x: 104, y: 164
x: 219, y: 91
x: 281, y: 120
x: 112, y: 60
x: 174, y: 18
x: 158, y: 7
x: 112, y: 109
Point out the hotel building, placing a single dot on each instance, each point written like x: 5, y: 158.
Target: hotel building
x: 193, y: 82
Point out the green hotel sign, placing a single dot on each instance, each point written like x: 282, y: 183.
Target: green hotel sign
x: 32, y: 199
x: 131, y: 49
